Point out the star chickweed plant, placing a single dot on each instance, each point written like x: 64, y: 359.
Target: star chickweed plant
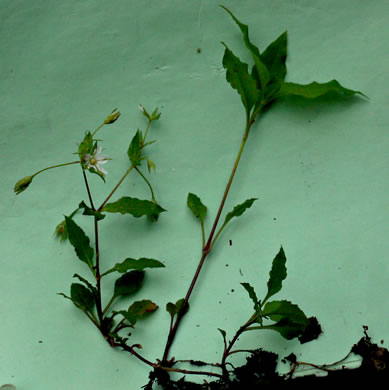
x: 258, y: 87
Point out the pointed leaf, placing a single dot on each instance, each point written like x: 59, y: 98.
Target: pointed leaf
x: 239, y: 78
x: 80, y: 242
x: 252, y: 295
x: 314, y: 90
x: 275, y: 55
x: 239, y: 210
x: 196, y: 206
x: 135, y: 149
x: 134, y: 264
x: 133, y: 206
x: 129, y: 283
x: 277, y: 274
x: 260, y: 72
x: 82, y: 297
x: 90, y: 211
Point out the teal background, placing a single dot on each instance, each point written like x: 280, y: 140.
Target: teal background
x: 319, y: 169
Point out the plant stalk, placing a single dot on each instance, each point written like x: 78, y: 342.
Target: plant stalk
x: 208, y: 247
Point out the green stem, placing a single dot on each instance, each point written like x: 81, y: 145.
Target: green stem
x: 98, y: 128
x: 97, y: 250
x: 147, y: 130
x: 55, y: 166
x: 115, y: 188
x: 202, y: 233
x: 148, y: 183
x: 111, y: 301
x: 207, y: 248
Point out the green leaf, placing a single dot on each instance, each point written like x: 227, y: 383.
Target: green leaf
x: 129, y: 283
x: 135, y: 149
x: 274, y: 57
x: 196, y: 206
x: 239, y: 210
x: 314, y: 90
x: 90, y: 211
x: 277, y: 274
x: 239, y: 78
x: 134, y: 264
x: 260, y: 72
x: 82, y: 297
x: 180, y: 309
x: 291, y: 320
x: 287, y: 328
x: 175, y: 308
x: 91, y: 288
x: 133, y: 206
x: 252, y: 295
x: 138, y: 310
x: 276, y: 310
x: 80, y: 242
x: 171, y: 309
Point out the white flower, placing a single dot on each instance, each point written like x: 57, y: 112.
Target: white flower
x: 95, y: 160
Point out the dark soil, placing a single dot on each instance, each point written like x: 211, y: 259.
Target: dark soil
x: 259, y: 372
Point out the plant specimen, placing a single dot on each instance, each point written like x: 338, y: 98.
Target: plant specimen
x: 258, y: 88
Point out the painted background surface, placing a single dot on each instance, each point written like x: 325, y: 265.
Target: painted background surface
x: 320, y: 171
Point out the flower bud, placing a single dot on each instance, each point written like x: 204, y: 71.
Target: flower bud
x: 61, y: 232
x: 22, y: 184
x: 112, y: 117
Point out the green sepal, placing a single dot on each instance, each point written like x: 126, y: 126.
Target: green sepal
x: 86, y: 146
x: 195, y: 205
x: 276, y: 275
x: 135, y: 207
x: 80, y: 242
x: 129, y: 283
x: 90, y: 211
x: 155, y: 115
x: 315, y: 90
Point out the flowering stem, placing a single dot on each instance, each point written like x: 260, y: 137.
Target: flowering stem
x: 98, y: 128
x: 148, y: 184
x: 97, y: 266
x: 55, y: 166
x: 115, y: 188
x: 208, y: 247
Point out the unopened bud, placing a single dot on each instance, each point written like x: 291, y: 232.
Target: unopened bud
x: 112, y: 117
x: 22, y: 184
